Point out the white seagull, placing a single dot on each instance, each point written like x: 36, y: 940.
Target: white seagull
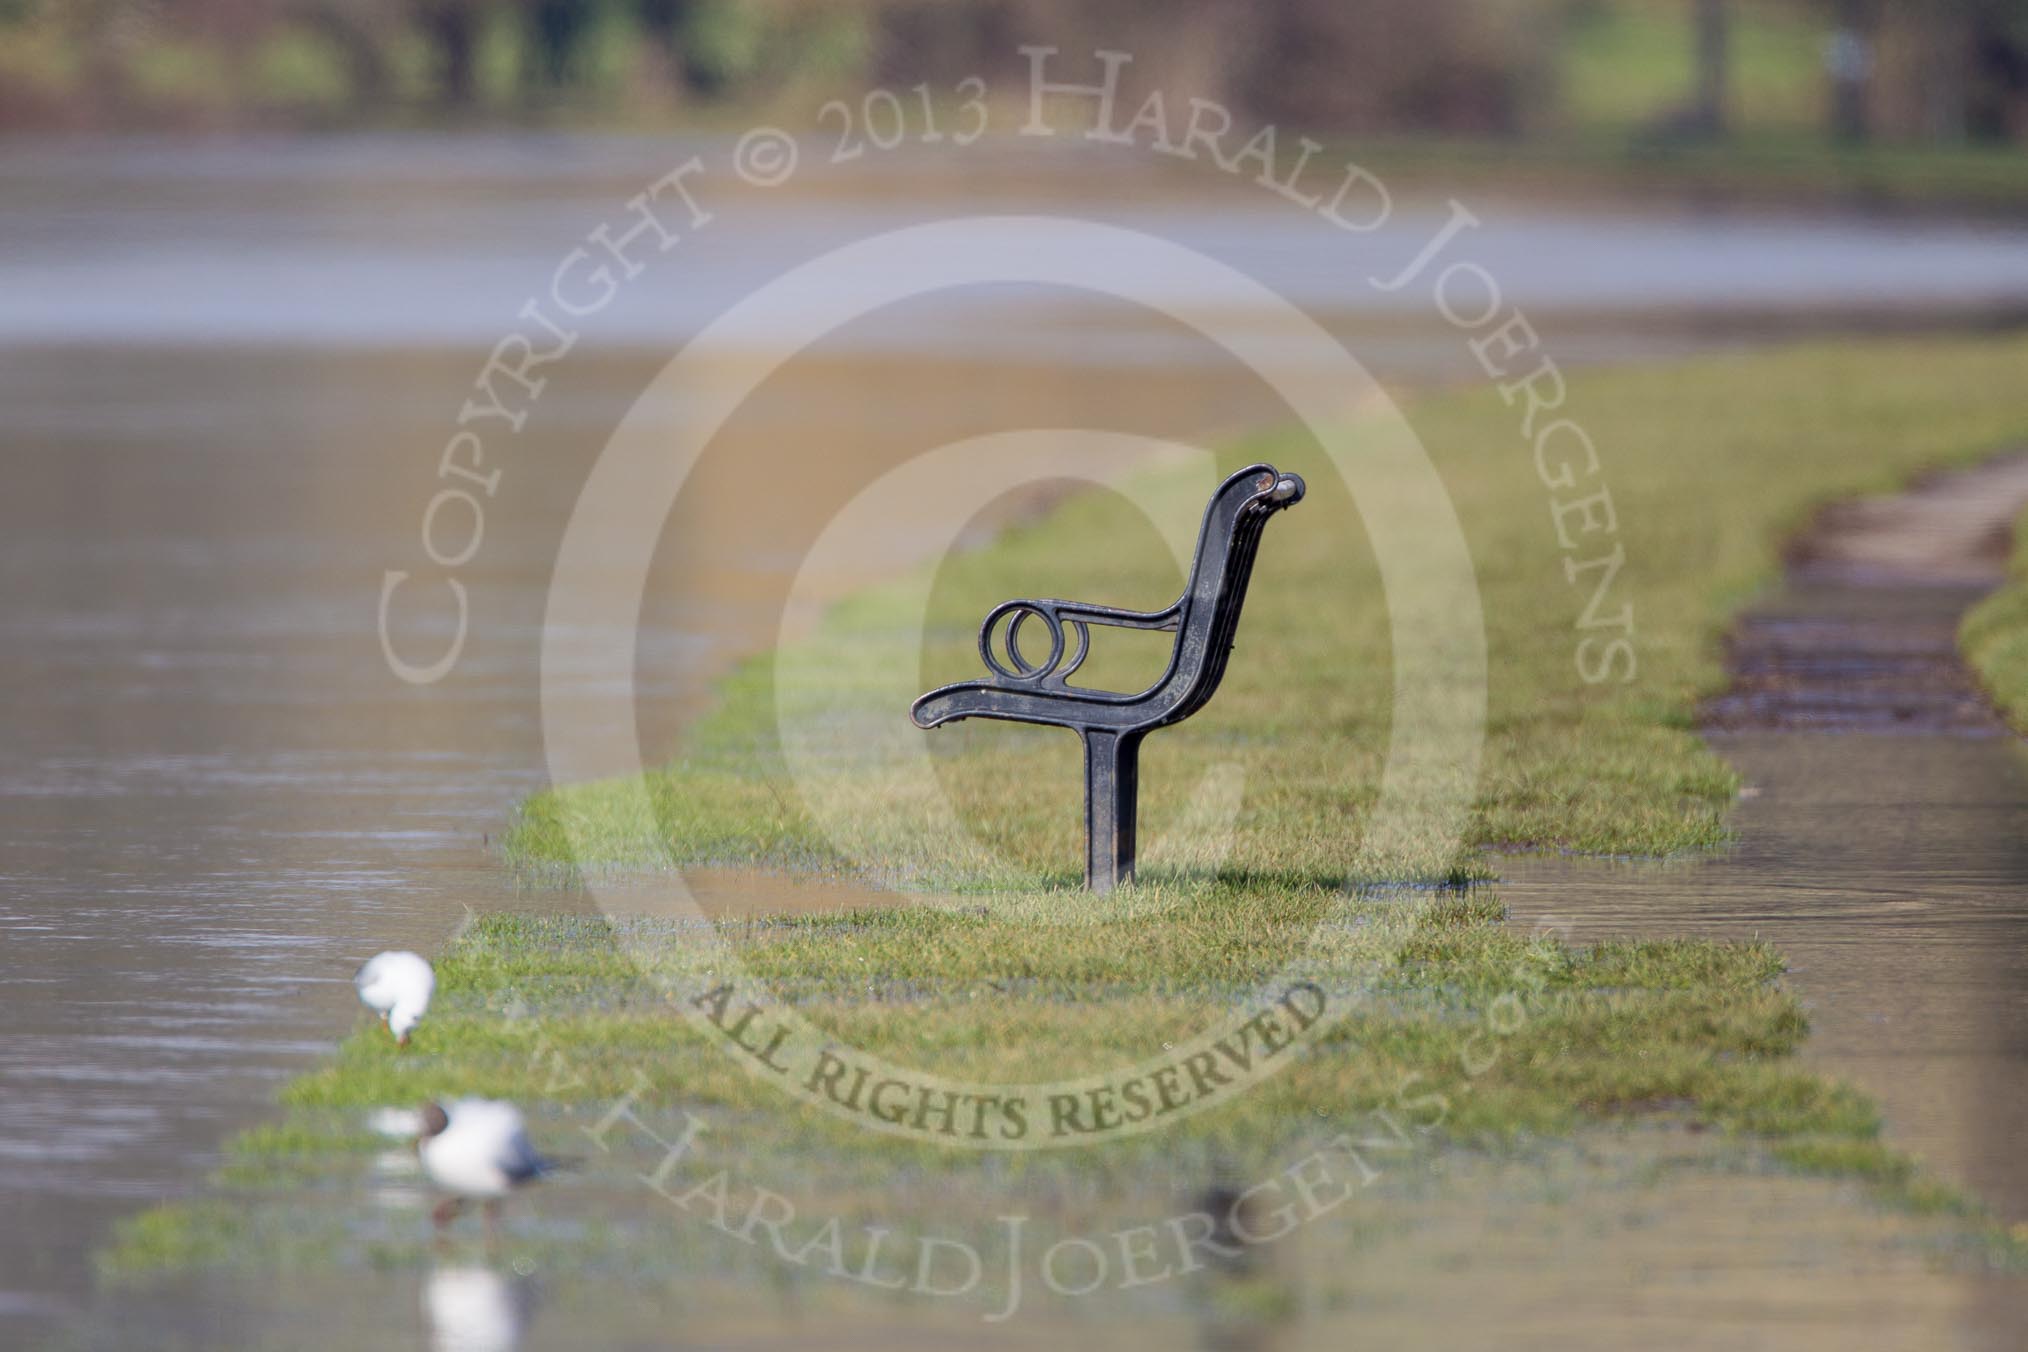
x: 477, y: 1150
x: 397, y: 986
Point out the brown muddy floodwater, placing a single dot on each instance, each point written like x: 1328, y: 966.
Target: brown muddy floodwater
x: 226, y: 373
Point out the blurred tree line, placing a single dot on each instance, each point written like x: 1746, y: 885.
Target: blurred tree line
x: 1904, y: 69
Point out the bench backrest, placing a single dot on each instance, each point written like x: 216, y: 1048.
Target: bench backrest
x: 1214, y: 594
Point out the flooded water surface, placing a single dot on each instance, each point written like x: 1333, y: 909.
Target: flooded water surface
x: 226, y: 376
x: 1883, y: 842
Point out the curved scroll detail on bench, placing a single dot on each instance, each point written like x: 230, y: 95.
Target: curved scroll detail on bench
x: 1204, y: 619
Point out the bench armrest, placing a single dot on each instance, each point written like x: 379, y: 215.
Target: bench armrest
x: 1053, y: 614
x: 1074, y: 611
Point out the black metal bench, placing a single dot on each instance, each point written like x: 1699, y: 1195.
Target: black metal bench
x: 1112, y: 725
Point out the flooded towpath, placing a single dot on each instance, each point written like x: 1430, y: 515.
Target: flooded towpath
x: 1883, y: 838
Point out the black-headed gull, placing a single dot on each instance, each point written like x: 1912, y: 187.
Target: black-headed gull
x: 397, y: 985
x: 477, y: 1150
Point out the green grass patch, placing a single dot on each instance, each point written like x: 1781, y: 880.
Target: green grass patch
x: 1994, y: 637
x: 184, y: 1236
x: 1627, y: 65
x: 1708, y: 463
x: 1608, y: 167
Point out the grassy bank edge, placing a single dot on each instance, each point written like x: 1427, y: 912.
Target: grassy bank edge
x: 1994, y: 637
x: 1665, y: 1035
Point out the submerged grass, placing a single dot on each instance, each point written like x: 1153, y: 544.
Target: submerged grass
x: 1994, y: 636
x: 1466, y: 1035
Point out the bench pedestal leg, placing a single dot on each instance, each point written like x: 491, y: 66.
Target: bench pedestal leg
x: 1112, y: 778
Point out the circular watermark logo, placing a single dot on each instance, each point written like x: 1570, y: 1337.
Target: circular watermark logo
x: 833, y: 743
x: 1436, y: 637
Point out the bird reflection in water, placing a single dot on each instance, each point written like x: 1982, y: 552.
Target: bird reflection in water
x: 1245, y: 1293
x: 469, y: 1308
